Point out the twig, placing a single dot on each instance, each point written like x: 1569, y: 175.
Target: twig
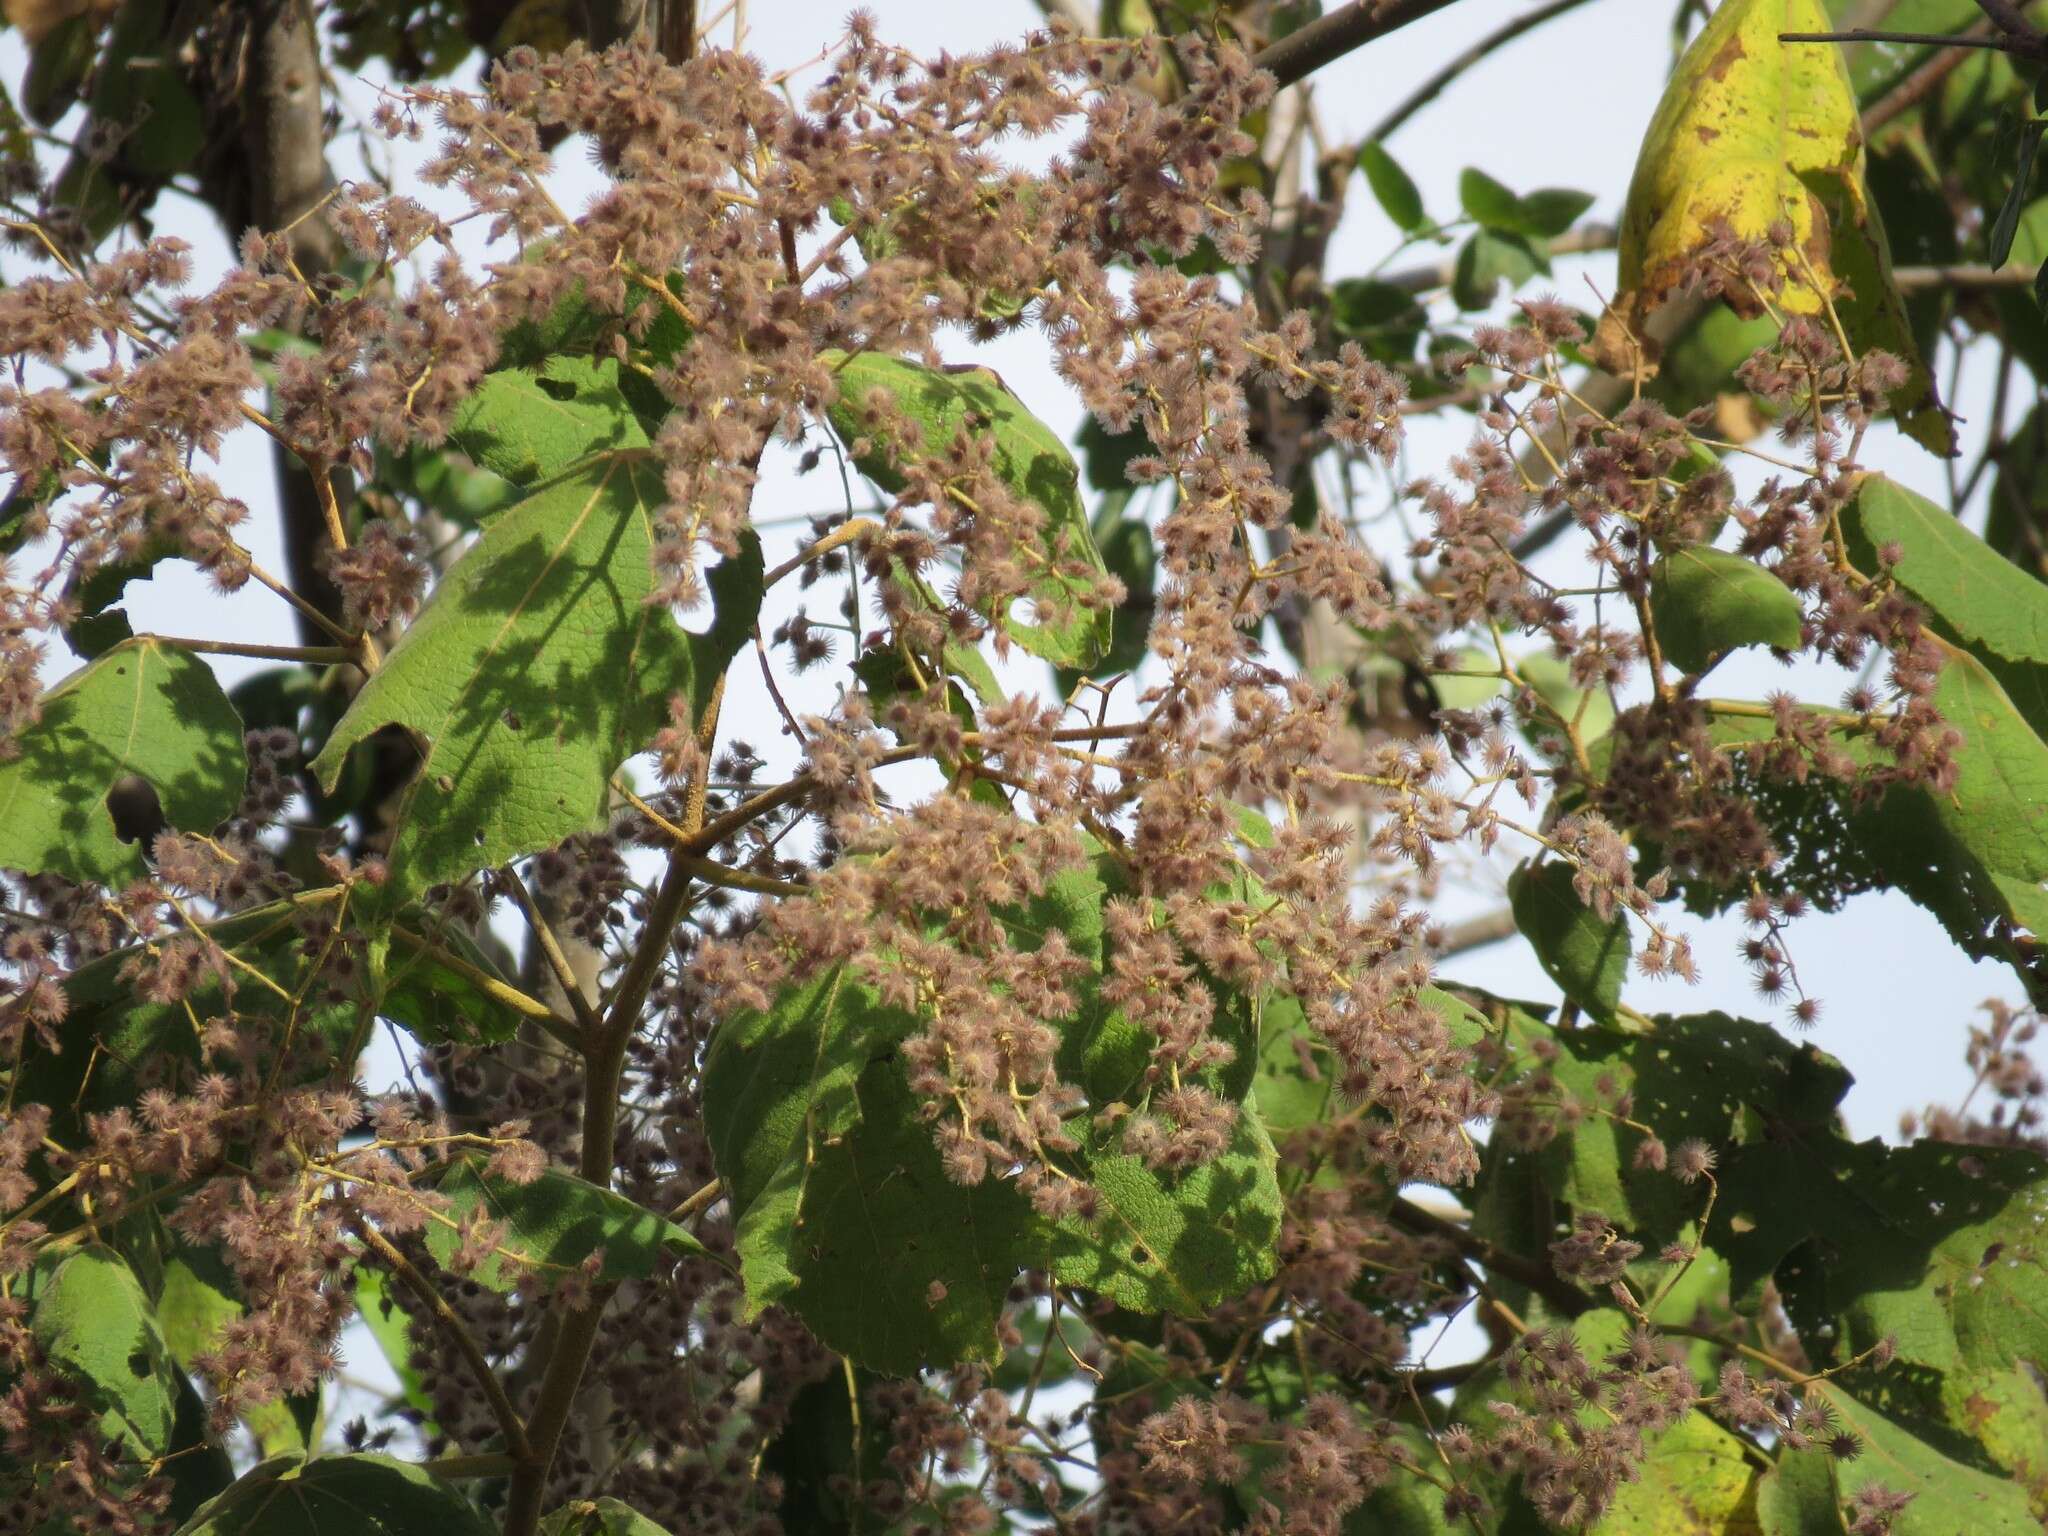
x: 1301, y: 53
x: 312, y: 655
x: 1538, y: 1277
x: 551, y: 951
x: 698, y: 1201
x: 1880, y: 35
x: 458, y: 1334
x: 604, y: 1066
x: 1477, y: 933
x: 1433, y: 87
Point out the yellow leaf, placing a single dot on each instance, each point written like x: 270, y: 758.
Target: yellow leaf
x: 1754, y: 133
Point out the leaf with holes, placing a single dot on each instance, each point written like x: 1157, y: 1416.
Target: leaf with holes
x: 144, y: 708
x: 534, y: 671
x: 527, y: 424
x: 1727, y: 1082
x: 1072, y: 625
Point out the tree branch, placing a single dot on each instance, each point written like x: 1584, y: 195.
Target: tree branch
x: 1568, y: 1299
x: 458, y: 1334
x: 1300, y: 54
x: 1433, y: 87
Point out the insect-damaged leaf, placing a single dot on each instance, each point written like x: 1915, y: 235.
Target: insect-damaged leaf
x: 535, y: 670
x: 1753, y: 132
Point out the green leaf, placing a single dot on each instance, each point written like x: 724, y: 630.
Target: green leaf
x: 57, y: 68
x: 1549, y: 211
x: 1540, y: 215
x: 95, y: 1325
x: 1978, y: 599
x: 1033, y: 464
x: 1999, y: 244
x: 1585, y: 954
x: 1392, y: 186
x: 1796, y: 1497
x: 1727, y: 1082
x: 845, y: 1213
x: 1936, y: 1242
x: 1387, y: 320
x: 884, y: 1258
x: 1488, y: 259
x: 198, y: 1464
x: 144, y: 708
x: 1696, y: 1479
x: 465, y: 494
x: 1488, y: 203
x: 1698, y: 366
x: 528, y: 424
x: 1551, y: 677
x: 550, y: 1226
x: 1107, y: 455
x: 438, y: 1003
x: 600, y: 1517
x: 538, y: 667
x: 1976, y: 857
x: 361, y: 1495
x: 1706, y: 602
x: 773, y: 1078
x: 1174, y: 1243
x: 115, y: 1042
x: 197, y: 1301
x: 102, y: 623
x: 1128, y: 555
x: 141, y: 94
x: 1298, y: 1072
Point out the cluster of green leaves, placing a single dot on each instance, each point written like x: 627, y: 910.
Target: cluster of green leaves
x: 1934, y: 1247
x: 845, y: 1212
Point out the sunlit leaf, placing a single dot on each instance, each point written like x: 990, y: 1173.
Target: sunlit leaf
x: 1030, y: 460
x: 144, y: 708
x: 536, y: 668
